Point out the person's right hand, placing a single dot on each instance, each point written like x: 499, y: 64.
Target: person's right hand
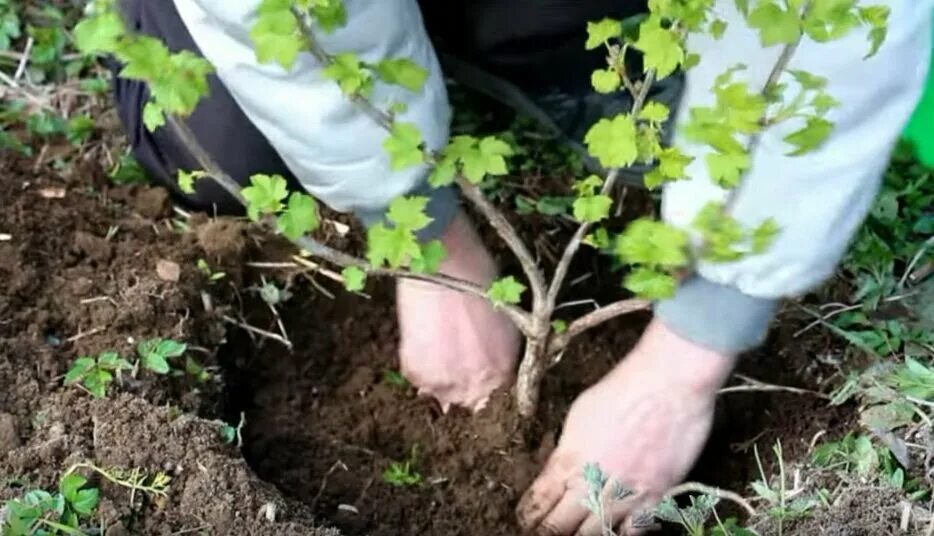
x: 454, y: 346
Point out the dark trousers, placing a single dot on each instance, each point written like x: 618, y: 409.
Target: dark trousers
x: 532, y: 43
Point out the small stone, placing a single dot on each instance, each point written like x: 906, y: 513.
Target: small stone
x: 168, y: 270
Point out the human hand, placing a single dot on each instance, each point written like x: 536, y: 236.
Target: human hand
x: 644, y: 425
x: 455, y: 347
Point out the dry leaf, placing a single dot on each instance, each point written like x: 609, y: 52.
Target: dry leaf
x: 168, y: 270
x: 52, y: 193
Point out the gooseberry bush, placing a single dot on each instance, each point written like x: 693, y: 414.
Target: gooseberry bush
x: 657, y: 254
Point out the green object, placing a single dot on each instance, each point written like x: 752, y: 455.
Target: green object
x: 920, y: 130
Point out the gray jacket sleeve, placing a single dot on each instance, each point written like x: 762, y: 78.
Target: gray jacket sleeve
x: 334, y: 150
x: 819, y: 199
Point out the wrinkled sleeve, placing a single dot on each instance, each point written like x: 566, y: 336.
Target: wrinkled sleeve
x: 332, y: 148
x: 818, y: 199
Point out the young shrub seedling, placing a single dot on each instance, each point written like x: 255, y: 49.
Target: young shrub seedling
x: 95, y: 374
x: 154, y: 354
x: 402, y: 474
x: 40, y: 513
x: 657, y: 254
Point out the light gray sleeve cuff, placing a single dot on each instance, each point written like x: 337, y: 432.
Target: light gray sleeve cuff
x: 442, y: 206
x: 718, y: 317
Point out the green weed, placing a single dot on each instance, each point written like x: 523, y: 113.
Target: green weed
x: 403, y: 474
x: 96, y: 374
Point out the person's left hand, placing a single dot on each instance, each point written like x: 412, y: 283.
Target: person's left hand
x: 454, y: 346
x: 644, y: 425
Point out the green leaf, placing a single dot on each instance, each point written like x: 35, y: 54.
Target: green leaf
x: 592, y: 209
x: 877, y: 17
x: 354, y: 278
x: 70, y: 484
x: 409, y: 212
x: 404, y: 146
x: 725, y: 169
x: 432, y: 254
x: 96, y: 382
x: 655, y: 112
x: 764, y: 234
x: 153, y: 116
x: 691, y: 60
x: 505, y: 290
x: 300, y: 216
x: 646, y: 241
x: 613, y: 141
x: 827, y: 20
x: 808, y: 80
x: 823, y: 102
x: 276, y: 35
x: 742, y: 6
x: 559, y: 326
x: 395, y: 246
x: 112, y: 361
x: 264, y: 195
x: 661, y: 48
x: 85, y: 502
x: 347, y: 70
x: 775, y: 25
x: 186, y: 180
x: 170, y: 348
x: 810, y: 137
x: 99, y: 34
x: 605, y: 80
x: 722, y: 234
x: 600, y: 32
x: 717, y: 28
x: 443, y: 173
x: 330, y: 14
x: 79, y: 369
x: 650, y: 284
x: 672, y: 163
x: 402, y: 72
x: 743, y: 109
x: 599, y: 239
x: 156, y: 363
x: 587, y: 187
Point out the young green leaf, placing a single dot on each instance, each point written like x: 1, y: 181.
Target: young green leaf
x: 99, y: 34
x: 347, y: 70
x: 433, y: 253
x: 655, y: 112
x: 79, y: 369
x: 600, y: 32
x: 402, y: 72
x: 605, y: 80
x: 488, y: 158
x: 186, y: 180
x: 330, y: 14
x: 354, y: 278
x: 717, y: 28
x: 559, y: 326
x: 775, y: 24
x: 300, y: 217
x: 153, y: 116
x: 264, y: 195
x: 592, y: 209
x: 725, y: 169
x: 650, y: 284
x: 505, y: 290
x: 660, y: 46
x: 646, y: 241
x: 396, y: 246
x: 722, y: 234
x: 409, y: 212
x: 69, y: 486
x: 763, y: 235
x: 276, y: 35
x: 613, y: 141
x: 404, y: 146
x: 810, y: 137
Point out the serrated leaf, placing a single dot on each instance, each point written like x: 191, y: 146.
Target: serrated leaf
x: 823, y: 102
x: 396, y: 246
x: 613, y: 141
x: 650, y: 284
x: 404, y: 146
x: 672, y: 163
x: 354, y: 278
x: 592, y: 209
x: 275, y: 34
x: 763, y: 235
x: 81, y: 367
x: 433, y: 253
x: 601, y: 32
x: 156, y: 363
x: 153, y: 116
x: 349, y: 73
x: 827, y: 20
x: 717, y: 28
x: 85, y: 502
x: 505, y: 290
x: 264, y: 195
x: 722, y: 233
x: 605, y: 80
x: 300, y: 216
x: 599, y: 239
x: 650, y: 242
x: 409, y: 212
x: 70, y: 484
x: 661, y: 48
x: 588, y: 186
x: 402, y: 72
x: 775, y: 25
x: 725, y: 169
x: 100, y: 33
x: 691, y: 60
x: 742, y: 6
x: 443, y: 173
x: 810, y: 137
x: 186, y: 180
x: 655, y: 112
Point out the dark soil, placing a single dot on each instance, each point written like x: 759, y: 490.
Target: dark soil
x: 78, y: 276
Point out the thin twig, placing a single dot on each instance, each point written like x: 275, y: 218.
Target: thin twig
x: 695, y: 487
x: 257, y: 331
x: 23, y: 61
x: 593, y: 319
x: 911, y: 266
x: 753, y: 385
